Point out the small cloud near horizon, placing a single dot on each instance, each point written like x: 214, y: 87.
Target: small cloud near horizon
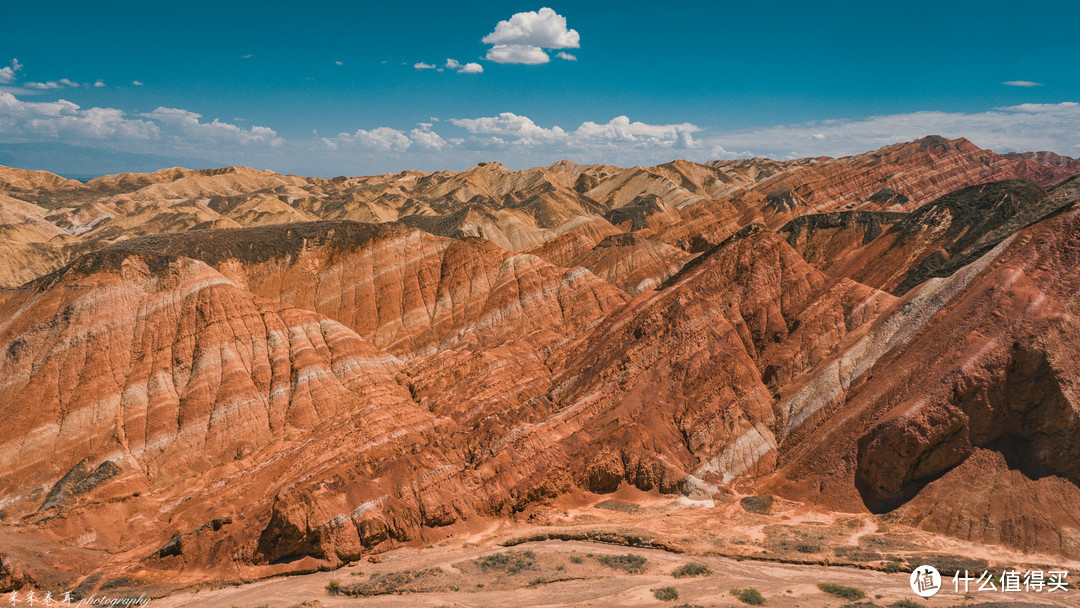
x: 53, y: 84
x: 451, y: 64
x: 1021, y: 83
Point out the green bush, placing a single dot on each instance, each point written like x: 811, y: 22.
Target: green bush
x: 691, y: 569
x: 848, y: 593
x: 749, y: 596
x: 906, y: 603
x: 510, y: 562
x: 666, y: 594
x: 406, y: 581
x: 333, y: 587
x: 629, y: 563
x: 576, y: 559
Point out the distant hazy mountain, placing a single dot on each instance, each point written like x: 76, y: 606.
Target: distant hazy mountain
x: 82, y: 163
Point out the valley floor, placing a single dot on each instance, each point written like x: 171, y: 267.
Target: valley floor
x: 784, y: 552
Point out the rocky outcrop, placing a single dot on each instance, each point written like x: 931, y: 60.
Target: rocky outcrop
x: 626, y: 260
x: 982, y: 383
x: 935, y: 240
x: 1048, y: 159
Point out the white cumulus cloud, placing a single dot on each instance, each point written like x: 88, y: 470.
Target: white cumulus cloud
x: 566, y: 56
x: 544, y: 28
x: 426, y: 138
x: 620, y: 129
x: 420, y: 65
x: 7, y: 74
x: 29, y: 121
x: 468, y: 68
x: 523, y: 38
x: 188, y: 125
x: 382, y: 139
x: 517, y: 53
x: 1021, y: 83
x: 510, y: 124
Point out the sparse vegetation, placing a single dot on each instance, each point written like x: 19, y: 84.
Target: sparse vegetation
x: 666, y: 594
x: 618, y: 505
x: 576, y: 559
x: 629, y: 563
x: 906, y: 603
x: 948, y: 565
x: 893, y: 566
x: 761, y: 505
x: 691, y: 569
x: 807, y: 548
x: 333, y: 587
x: 407, y: 581
x: 510, y: 562
x: 848, y: 593
x: 749, y: 596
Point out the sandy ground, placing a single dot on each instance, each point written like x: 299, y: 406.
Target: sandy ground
x: 782, y: 585
x: 741, y: 549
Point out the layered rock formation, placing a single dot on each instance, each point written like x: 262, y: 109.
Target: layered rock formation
x: 212, y: 374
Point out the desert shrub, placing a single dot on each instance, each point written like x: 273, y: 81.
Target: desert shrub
x: 848, y: 593
x: 406, y: 581
x: 761, y: 505
x: 629, y: 563
x: 333, y: 587
x: 510, y: 562
x: 906, y: 603
x: 749, y: 596
x: 691, y: 569
x: 666, y: 594
x: 576, y: 559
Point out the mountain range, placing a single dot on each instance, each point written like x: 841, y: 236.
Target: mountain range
x: 229, y: 374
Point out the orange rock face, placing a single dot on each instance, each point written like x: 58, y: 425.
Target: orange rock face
x: 233, y: 373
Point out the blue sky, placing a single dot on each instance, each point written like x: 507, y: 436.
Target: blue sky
x: 333, y: 88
